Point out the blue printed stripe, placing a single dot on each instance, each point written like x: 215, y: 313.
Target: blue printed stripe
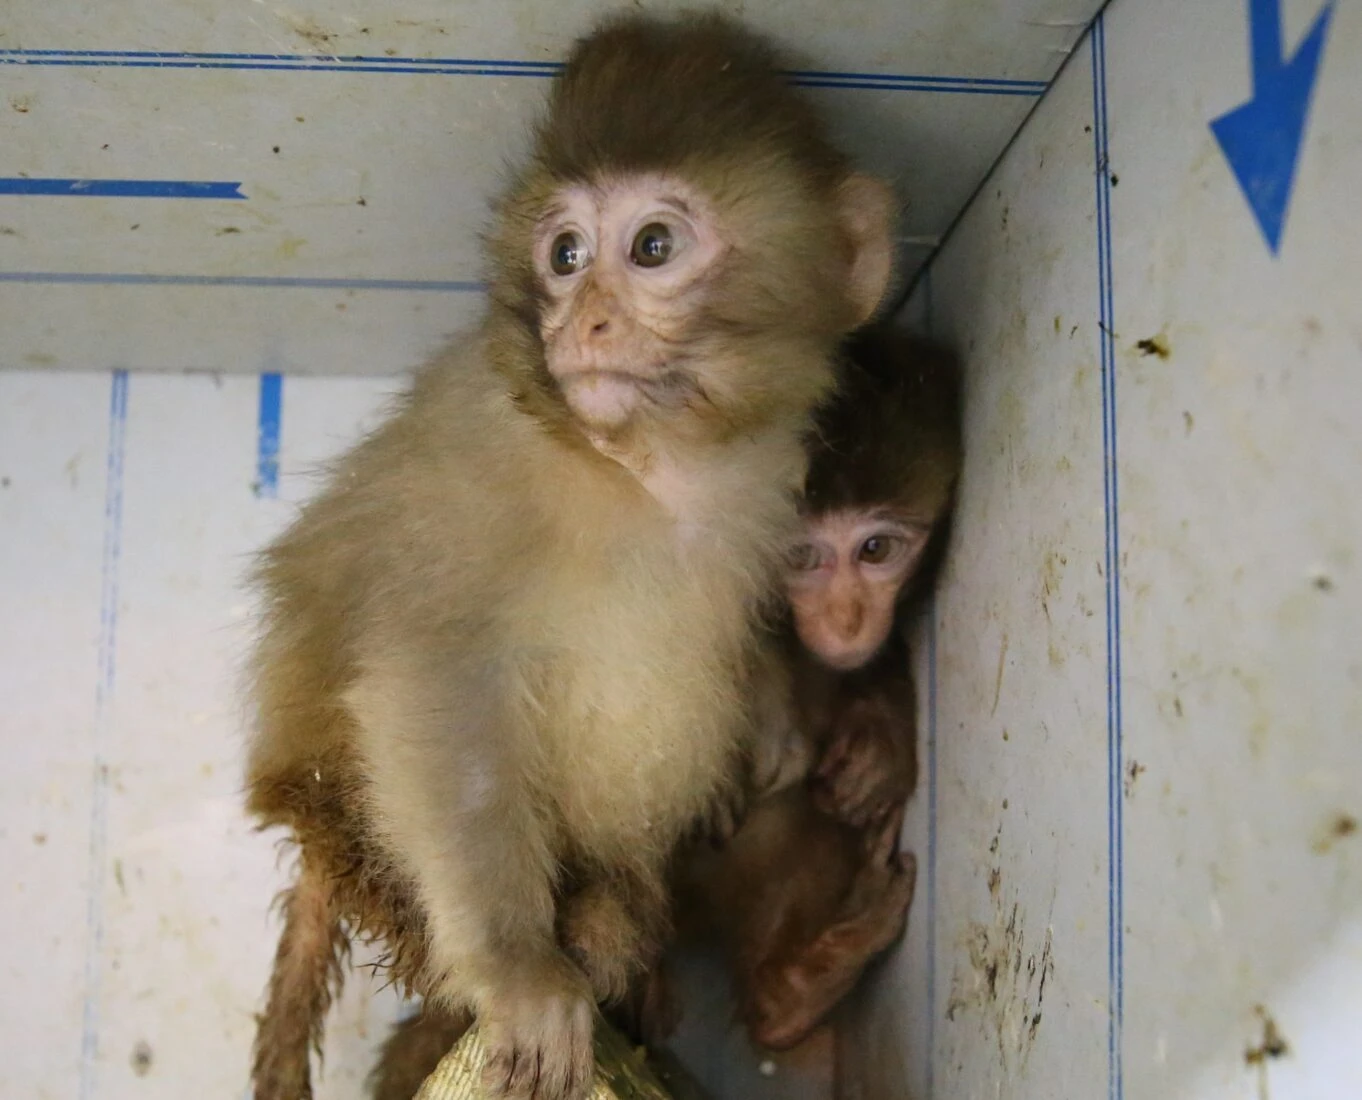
x: 460, y: 66
x: 1111, y: 509
x: 104, y: 687
x: 929, y: 316
x: 271, y: 414
x: 122, y: 189
x: 932, y: 842
x: 290, y: 282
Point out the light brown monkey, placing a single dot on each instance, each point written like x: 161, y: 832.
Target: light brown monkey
x: 504, y: 654
x: 812, y: 886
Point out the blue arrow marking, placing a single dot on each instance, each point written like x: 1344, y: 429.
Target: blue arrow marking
x: 1262, y: 138
x: 123, y: 189
x: 267, y: 451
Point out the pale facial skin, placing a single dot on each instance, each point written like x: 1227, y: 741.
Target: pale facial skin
x: 623, y: 265
x: 844, y: 581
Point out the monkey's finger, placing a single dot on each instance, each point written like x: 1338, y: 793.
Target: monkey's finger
x: 834, y: 756
x: 497, y: 1069
x: 825, y: 798
x: 539, y: 1081
x: 908, y: 864
x: 855, y: 788
x: 524, y: 1074
x: 886, y: 840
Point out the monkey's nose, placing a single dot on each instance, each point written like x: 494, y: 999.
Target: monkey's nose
x: 849, y: 618
x: 600, y: 327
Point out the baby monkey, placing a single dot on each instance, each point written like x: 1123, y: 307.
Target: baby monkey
x: 812, y: 886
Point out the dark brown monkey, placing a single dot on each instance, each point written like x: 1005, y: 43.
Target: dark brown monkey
x: 877, y: 504
x: 505, y: 652
x: 812, y: 886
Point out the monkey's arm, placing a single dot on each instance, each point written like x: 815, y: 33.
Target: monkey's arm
x: 447, y: 777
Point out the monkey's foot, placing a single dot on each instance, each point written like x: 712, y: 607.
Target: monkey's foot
x: 599, y: 933
x: 863, y: 775
x: 537, y: 1031
x: 723, y: 817
x: 789, y: 996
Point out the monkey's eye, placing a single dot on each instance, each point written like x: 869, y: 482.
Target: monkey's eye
x: 877, y: 549
x: 652, y: 245
x: 803, y: 557
x: 567, y: 254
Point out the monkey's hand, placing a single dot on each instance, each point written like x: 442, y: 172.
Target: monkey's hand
x: 725, y: 813
x: 537, y: 1027
x: 867, y: 770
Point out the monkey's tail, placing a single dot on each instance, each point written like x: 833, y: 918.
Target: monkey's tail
x: 308, y: 974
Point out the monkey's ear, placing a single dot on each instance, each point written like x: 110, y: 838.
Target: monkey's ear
x: 866, y: 210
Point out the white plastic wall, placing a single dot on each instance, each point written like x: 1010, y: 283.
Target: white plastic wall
x: 257, y: 192
x: 324, y: 166
x: 1143, y: 719
x: 136, y: 936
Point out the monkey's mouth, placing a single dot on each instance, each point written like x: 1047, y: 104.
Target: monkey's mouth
x: 607, y: 395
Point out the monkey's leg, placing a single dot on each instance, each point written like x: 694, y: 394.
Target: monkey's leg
x: 307, y: 975
x: 412, y: 1052
x: 787, y: 995
x: 614, y: 926
x: 449, y: 793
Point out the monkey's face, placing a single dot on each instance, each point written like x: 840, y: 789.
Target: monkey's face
x: 624, y: 268
x: 844, y: 582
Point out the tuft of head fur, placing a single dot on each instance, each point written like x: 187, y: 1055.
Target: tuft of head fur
x: 891, y: 435
x: 699, y: 93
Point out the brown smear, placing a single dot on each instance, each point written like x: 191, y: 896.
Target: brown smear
x: 1271, y: 1047
x: 142, y: 1058
x: 1154, y: 345
x: 1006, y: 980
x: 311, y: 33
x: 998, y: 684
x: 1338, y: 827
